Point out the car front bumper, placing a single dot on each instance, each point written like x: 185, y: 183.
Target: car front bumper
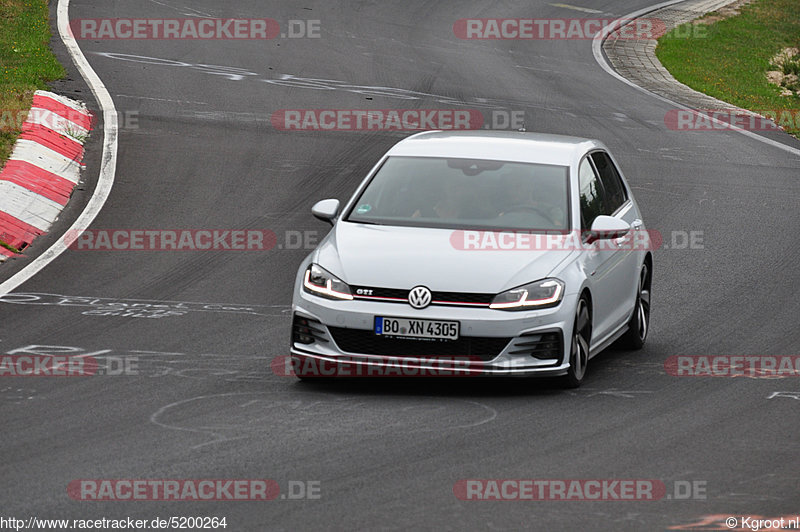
x: 337, y: 323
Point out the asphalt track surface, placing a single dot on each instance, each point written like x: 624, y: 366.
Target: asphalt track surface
x: 387, y: 454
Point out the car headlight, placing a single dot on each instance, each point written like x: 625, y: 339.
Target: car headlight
x: 323, y: 283
x: 539, y: 294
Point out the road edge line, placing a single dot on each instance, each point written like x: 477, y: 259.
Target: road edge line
x: 597, y: 51
x: 108, y: 163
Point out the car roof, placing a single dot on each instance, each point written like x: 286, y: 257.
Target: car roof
x: 496, y: 145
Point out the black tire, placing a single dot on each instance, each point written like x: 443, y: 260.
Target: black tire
x: 579, y: 345
x: 639, y: 324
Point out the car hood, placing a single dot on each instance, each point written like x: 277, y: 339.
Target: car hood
x: 404, y: 257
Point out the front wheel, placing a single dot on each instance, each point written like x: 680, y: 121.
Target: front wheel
x: 579, y: 347
x: 639, y: 325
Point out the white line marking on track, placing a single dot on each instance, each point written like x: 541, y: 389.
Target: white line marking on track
x: 216, y: 436
x: 188, y: 11
x: 159, y: 99
x: 536, y: 69
x: 108, y: 164
x: 788, y: 395
x: 577, y: 8
x: 148, y: 307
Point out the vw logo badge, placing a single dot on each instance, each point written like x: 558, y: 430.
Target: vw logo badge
x: 419, y: 297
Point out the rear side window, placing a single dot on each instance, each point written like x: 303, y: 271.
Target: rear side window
x: 615, y: 194
x: 591, y: 195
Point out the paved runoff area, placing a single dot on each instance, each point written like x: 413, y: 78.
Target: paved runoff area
x: 635, y: 59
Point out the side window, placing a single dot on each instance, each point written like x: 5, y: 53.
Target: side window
x: 616, y: 195
x: 591, y: 195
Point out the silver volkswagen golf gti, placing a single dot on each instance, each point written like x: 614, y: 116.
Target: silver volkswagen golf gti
x: 476, y: 253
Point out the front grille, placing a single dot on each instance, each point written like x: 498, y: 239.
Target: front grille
x: 437, y: 298
x: 543, y: 346
x: 368, y: 343
x: 394, y: 293
x: 461, y: 297
x: 307, y: 331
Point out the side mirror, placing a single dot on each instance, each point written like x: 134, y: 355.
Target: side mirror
x: 607, y: 227
x: 326, y: 210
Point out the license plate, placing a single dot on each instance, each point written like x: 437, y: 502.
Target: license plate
x: 411, y: 328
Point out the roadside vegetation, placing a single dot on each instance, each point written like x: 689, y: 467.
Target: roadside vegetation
x: 27, y: 64
x: 26, y: 61
x: 747, y: 56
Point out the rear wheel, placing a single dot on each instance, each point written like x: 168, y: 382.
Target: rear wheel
x: 579, y: 347
x: 639, y: 325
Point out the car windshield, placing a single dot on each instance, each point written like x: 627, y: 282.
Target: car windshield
x: 465, y: 194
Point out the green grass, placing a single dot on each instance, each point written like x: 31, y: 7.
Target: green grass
x: 26, y: 61
x: 9, y: 247
x: 729, y: 59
